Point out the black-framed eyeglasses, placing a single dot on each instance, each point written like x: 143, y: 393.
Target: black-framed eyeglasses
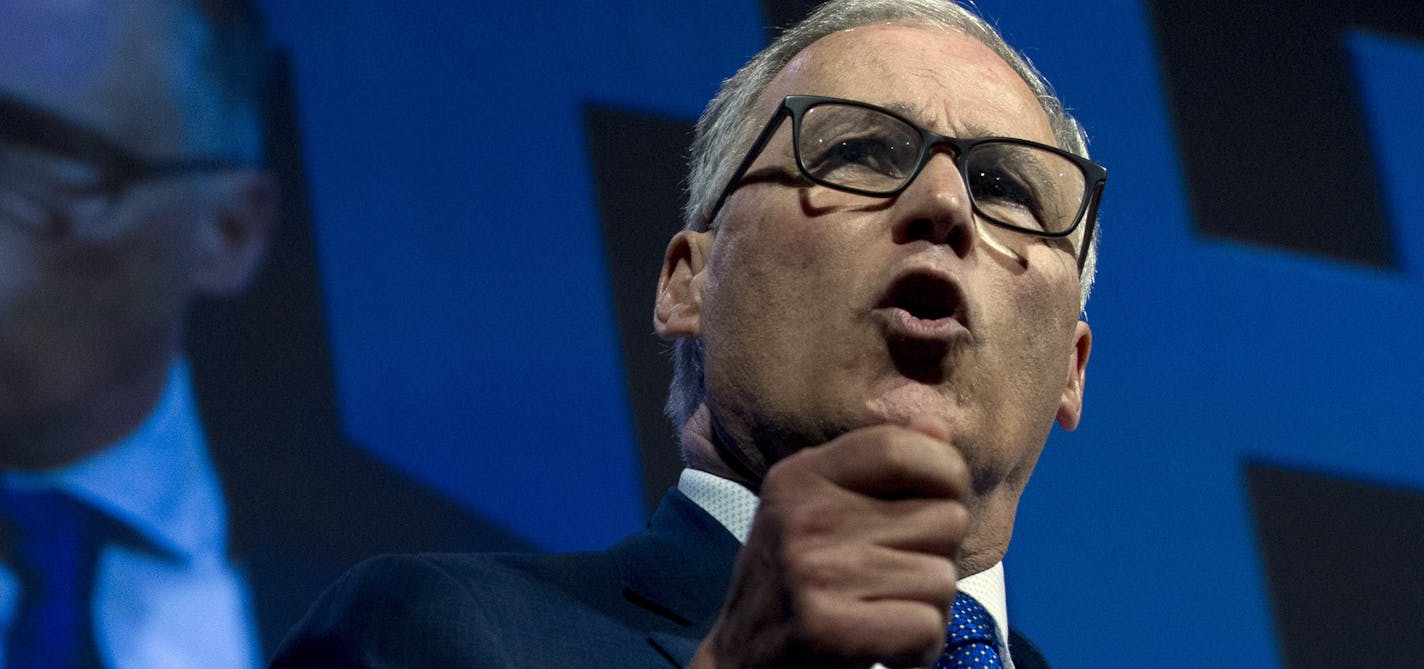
x: 31, y: 139
x: 860, y: 148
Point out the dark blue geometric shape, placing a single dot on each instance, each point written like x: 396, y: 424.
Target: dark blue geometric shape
x: 1270, y: 125
x: 1343, y: 561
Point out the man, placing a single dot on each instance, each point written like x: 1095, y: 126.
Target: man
x: 876, y: 325
x: 135, y: 532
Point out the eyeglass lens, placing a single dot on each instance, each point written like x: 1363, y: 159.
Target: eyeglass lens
x: 1016, y: 185
x: 41, y: 191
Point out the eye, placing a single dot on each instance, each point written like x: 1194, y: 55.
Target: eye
x: 1001, y: 187
x: 21, y: 208
x: 44, y: 171
x: 1007, y: 197
x: 848, y: 155
x: 857, y: 147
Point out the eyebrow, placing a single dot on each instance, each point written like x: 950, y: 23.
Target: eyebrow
x: 30, y: 126
x: 919, y: 115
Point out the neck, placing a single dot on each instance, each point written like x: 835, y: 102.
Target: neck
x: 991, y: 526
x: 700, y: 451
x: 62, y: 435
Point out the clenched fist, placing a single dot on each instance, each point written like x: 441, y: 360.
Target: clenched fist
x: 850, y: 560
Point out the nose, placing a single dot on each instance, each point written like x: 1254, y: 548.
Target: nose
x: 935, y: 207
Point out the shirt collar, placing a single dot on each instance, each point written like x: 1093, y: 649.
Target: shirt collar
x: 734, y: 507
x: 158, y: 480
x: 731, y: 504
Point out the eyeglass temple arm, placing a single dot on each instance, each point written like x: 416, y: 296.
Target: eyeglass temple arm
x: 1091, y: 221
x: 733, y: 183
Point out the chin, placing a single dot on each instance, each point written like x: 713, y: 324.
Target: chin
x: 907, y: 398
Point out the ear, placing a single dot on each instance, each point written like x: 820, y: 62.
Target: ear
x: 235, y: 231
x: 1070, y: 404
x: 678, y: 310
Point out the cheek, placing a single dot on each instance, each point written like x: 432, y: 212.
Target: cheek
x: 125, y: 289
x: 755, y: 288
x: 1036, y: 323
x: 114, y: 291
x: 777, y: 263
x: 83, y: 317
x: 18, y: 268
x: 151, y: 270
x: 779, y: 303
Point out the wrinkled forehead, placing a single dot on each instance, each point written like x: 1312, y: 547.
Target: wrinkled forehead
x: 940, y: 77
x: 96, y: 63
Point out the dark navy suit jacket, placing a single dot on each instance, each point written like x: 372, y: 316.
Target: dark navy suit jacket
x: 646, y: 602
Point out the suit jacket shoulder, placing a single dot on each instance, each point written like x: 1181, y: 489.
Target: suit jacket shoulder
x: 646, y: 602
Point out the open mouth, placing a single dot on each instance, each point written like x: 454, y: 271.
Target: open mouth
x: 925, y: 319
x: 924, y: 298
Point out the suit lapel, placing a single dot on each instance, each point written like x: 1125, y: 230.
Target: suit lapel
x: 677, y: 649
x: 678, y: 568
x: 1026, y: 655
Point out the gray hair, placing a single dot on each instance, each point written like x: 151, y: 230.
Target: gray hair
x: 727, y: 128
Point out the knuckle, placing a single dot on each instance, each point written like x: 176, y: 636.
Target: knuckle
x: 942, y: 572
x: 942, y: 526
x: 812, y: 571
x: 843, y: 636
x: 812, y: 518
x: 948, y: 573
x: 960, y: 517
x: 945, y: 580
x: 822, y: 623
x: 918, y: 641
x: 897, y: 456
x: 926, y: 637
x: 954, y: 519
x: 786, y: 476
x: 900, y: 453
x: 956, y: 468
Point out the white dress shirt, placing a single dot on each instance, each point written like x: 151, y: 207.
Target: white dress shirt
x: 176, y: 602
x: 734, y: 507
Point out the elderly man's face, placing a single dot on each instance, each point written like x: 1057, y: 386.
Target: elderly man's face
x: 93, y: 285
x: 823, y: 311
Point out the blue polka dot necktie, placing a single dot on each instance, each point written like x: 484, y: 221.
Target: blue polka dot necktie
x: 52, y: 542
x: 971, y: 640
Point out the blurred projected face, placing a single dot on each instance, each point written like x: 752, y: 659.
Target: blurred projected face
x: 93, y: 281
x: 823, y: 311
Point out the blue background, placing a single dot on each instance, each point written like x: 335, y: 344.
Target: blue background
x: 475, y: 347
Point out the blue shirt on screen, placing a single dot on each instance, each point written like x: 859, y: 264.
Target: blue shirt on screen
x: 176, y: 600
